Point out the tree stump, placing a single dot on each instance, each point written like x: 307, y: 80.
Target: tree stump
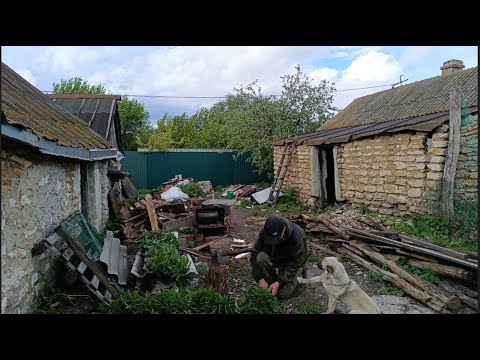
x: 217, y: 277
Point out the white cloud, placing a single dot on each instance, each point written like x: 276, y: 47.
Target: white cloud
x: 204, y: 71
x: 370, y: 69
x: 27, y: 75
x: 67, y: 59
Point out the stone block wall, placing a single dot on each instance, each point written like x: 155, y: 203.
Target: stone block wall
x: 38, y: 193
x: 299, y: 173
x: 398, y: 173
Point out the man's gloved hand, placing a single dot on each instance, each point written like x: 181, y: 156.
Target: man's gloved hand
x: 263, y: 283
x: 274, y: 288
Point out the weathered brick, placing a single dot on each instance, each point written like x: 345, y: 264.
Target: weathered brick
x: 370, y: 188
x: 436, y: 167
x: 359, y: 195
x: 399, y: 165
x: 437, y: 159
x: 415, y: 182
x: 439, y: 144
x: 414, y: 192
x: 438, y: 151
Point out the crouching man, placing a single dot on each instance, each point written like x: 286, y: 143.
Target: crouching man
x: 279, y: 256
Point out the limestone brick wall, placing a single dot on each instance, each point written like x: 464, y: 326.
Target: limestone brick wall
x: 398, y: 173
x: 299, y: 174
x: 38, y: 193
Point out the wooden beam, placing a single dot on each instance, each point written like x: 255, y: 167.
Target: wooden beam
x: 452, y: 153
x: 338, y: 190
x: 151, y: 212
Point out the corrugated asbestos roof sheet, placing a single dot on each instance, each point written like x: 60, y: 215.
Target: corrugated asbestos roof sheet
x: 99, y: 112
x: 420, y: 98
x: 420, y: 123
x: 25, y: 105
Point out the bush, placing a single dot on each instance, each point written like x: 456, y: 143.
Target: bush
x: 192, y: 190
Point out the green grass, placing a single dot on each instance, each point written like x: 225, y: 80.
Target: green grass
x: 315, y: 259
x: 457, y: 233
x: 309, y: 309
x: 192, y: 190
x: 244, y: 203
x: 143, y: 192
x: 388, y: 290
x: 374, y: 276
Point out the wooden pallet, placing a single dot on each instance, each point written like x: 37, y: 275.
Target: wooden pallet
x: 86, y: 271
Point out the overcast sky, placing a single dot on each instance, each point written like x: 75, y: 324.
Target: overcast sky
x: 216, y: 70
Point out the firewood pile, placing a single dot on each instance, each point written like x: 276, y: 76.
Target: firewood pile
x: 373, y: 246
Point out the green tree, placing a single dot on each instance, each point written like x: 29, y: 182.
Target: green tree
x: 135, y: 124
x: 77, y: 85
x: 256, y: 119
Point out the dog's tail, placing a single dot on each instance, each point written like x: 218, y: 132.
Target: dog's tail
x: 312, y: 280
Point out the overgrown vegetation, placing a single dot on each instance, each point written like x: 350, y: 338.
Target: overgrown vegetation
x: 458, y: 233
x: 143, y: 192
x: 192, y: 190
x: 113, y: 225
x: 427, y: 275
x: 374, y: 276
x: 388, y: 290
x: 187, y: 230
x: 309, y: 309
x: 161, y: 253
x: 255, y: 300
x: 315, y: 259
x: 244, y: 204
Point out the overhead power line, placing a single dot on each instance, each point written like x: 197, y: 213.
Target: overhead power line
x: 223, y: 97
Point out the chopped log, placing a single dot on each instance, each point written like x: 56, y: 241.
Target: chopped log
x: 396, y: 280
x: 333, y: 239
x: 371, y: 237
x: 324, y: 249
x: 359, y: 253
x: 467, y: 291
x: 453, y: 151
x: 429, y: 245
x: 229, y: 252
x: 217, y: 276
x: 335, y: 229
x: 417, y: 256
x: 452, y: 301
x: 450, y: 271
x: 151, y: 212
x: 470, y: 302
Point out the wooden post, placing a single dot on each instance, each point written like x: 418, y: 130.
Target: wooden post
x: 338, y: 191
x: 151, y: 212
x: 452, y: 154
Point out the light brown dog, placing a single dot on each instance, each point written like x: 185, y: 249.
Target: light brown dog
x: 339, y: 286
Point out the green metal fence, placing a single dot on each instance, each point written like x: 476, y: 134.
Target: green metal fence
x: 150, y: 169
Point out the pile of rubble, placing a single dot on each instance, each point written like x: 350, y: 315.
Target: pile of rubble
x: 375, y: 247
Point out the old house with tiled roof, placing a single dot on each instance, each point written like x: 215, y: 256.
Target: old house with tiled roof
x: 53, y: 164
x: 387, y: 150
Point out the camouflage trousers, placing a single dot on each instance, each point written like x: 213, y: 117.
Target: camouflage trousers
x: 270, y: 271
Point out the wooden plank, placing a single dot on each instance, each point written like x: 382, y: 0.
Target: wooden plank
x: 470, y: 302
x: 429, y: 245
x: 200, y: 247
x: 82, y: 267
x: 151, y: 212
x: 417, y: 256
x: 324, y: 249
x: 91, y: 265
x: 371, y: 237
x: 134, y: 218
x: 338, y: 190
x: 95, y: 281
x: 67, y: 253
x: 448, y: 185
x: 333, y: 227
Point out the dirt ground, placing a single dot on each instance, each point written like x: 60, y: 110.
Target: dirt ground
x: 310, y: 298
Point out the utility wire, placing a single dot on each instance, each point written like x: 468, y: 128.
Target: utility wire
x: 222, y: 97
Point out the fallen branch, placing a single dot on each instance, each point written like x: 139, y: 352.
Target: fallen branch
x: 470, y: 302
x: 324, y: 249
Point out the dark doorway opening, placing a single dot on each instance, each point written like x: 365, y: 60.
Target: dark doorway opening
x: 330, y: 179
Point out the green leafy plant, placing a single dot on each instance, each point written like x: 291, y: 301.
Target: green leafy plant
x: 309, y: 309
x: 191, y: 244
x: 192, y: 190
x: 257, y: 300
x: 143, y: 192
x: 427, y: 275
x: 290, y: 202
x: 113, y: 225
x: 187, y: 230
x: 388, y: 290
x: 209, y: 301
x: 245, y: 203
x: 364, y: 210
x: 149, y: 239
x: 218, y: 189
x: 262, y: 185
x: 374, y: 276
